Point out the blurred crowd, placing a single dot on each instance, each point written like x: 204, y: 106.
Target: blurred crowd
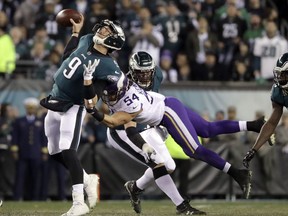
x: 215, y: 40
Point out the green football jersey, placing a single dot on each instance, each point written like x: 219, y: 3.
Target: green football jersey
x: 68, y: 80
x: 158, y: 77
x: 279, y: 96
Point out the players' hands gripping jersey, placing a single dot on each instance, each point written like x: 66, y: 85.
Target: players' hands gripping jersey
x: 135, y: 99
x: 69, y: 77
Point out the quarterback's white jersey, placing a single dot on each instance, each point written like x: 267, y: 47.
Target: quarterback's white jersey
x: 269, y: 49
x: 136, y: 99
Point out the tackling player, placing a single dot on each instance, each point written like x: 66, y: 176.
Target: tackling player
x: 65, y: 102
x: 128, y: 102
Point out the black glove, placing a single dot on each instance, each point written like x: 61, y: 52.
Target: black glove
x: 248, y: 157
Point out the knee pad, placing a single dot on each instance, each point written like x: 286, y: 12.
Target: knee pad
x: 159, y: 172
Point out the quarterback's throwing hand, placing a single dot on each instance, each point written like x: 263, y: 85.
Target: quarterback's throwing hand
x: 89, y: 69
x: 148, y: 152
x: 248, y: 157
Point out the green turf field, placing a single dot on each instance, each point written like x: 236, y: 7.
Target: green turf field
x: 150, y: 208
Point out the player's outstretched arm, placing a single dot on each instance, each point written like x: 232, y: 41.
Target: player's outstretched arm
x: 265, y: 133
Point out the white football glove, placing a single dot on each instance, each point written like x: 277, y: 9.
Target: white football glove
x: 148, y: 151
x: 89, y: 69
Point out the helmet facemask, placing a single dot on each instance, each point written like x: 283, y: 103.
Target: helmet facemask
x: 281, y: 77
x: 142, y: 69
x: 144, y: 78
x: 114, y: 40
x: 115, y: 91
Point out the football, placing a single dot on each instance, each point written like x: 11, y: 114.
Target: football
x: 63, y: 17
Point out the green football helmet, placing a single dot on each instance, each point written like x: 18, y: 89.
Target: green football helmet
x: 280, y: 71
x: 142, y: 69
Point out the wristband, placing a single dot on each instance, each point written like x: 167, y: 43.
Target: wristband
x: 99, y: 116
x: 89, y: 92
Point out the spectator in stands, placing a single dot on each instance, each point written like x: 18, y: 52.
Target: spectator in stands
x: 222, y: 11
x: 208, y: 10
x: 166, y: 64
x: 255, y: 7
x: 7, y: 116
x: 173, y: 28
x: 47, y: 19
x: 7, y: 51
x: 230, y: 31
x: 210, y: 70
x: 267, y: 50
x: 183, y: 67
x: 9, y: 8
x: 97, y: 13
x: 147, y: 37
x: 19, y: 40
x: 128, y: 15
x: 28, y: 148
x: 54, y: 62
x: 25, y: 15
x: 242, y: 69
x: 82, y: 6
x: 255, y: 30
x: 198, y: 42
x: 42, y: 36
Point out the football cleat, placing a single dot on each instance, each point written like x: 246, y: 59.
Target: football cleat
x: 91, y: 190
x: 134, y: 195
x: 243, y: 178
x: 186, y: 209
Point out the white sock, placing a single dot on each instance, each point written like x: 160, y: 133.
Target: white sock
x: 77, y: 193
x: 85, y: 177
x: 166, y: 184
x: 243, y: 125
x: 226, y: 167
x: 145, y: 179
x: 77, y: 188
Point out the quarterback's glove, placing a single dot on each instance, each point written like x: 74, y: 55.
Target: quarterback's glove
x: 148, y: 152
x: 248, y: 157
x: 89, y: 69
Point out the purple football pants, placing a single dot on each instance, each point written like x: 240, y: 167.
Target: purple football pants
x: 185, y: 126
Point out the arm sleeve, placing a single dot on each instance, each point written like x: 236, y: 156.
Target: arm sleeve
x: 70, y: 47
x: 135, y: 137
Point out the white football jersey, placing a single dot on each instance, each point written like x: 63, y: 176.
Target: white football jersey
x: 136, y: 99
x: 269, y: 49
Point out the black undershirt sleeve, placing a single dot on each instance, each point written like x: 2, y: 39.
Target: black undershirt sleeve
x: 70, y: 47
x: 135, y: 137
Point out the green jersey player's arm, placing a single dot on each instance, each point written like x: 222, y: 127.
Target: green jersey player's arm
x: 74, y: 40
x: 269, y: 126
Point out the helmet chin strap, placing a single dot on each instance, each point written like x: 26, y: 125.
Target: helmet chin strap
x: 98, y: 40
